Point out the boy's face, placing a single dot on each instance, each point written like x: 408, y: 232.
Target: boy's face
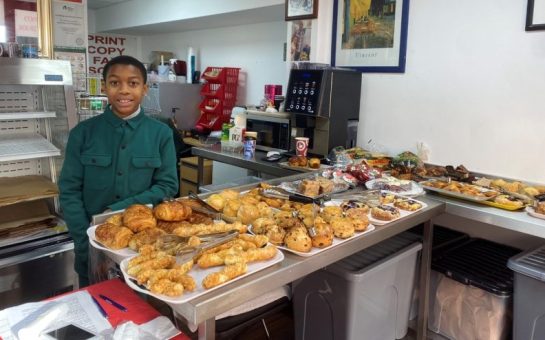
x: 125, y: 88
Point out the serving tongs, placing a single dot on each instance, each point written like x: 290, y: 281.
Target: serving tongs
x: 277, y: 192
x: 185, y: 252
x: 209, y: 210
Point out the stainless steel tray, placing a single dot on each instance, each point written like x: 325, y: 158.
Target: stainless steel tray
x: 459, y: 195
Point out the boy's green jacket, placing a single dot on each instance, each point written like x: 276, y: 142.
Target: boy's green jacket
x: 113, y: 163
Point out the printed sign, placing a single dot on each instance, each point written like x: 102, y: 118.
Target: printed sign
x: 104, y: 47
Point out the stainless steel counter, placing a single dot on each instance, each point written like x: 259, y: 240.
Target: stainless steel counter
x: 237, y: 159
x: 518, y: 221
x: 203, y: 310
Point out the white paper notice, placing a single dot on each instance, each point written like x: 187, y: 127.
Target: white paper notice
x: 81, y: 311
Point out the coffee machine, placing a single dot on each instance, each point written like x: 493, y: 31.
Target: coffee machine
x: 325, y: 107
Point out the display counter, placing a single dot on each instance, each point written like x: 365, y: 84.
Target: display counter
x: 202, y: 310
x: 256, y: 163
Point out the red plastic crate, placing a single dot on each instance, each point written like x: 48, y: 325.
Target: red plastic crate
x: 212, y: 122
x: 216, y: 106
x: 223, y: 75
x: 220, y: 91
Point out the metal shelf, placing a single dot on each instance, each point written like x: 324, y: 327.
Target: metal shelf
x: 26, y: 146
x: 27, y: 115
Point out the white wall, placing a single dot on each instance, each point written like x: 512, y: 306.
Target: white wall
x: 257, y: 49
x: 473, y: 89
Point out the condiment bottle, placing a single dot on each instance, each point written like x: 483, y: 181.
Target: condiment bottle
x: 250, y: 140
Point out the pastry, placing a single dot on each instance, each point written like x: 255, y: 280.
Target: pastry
x: 226, y: 274
x: 262, y: 224
x: 138, y: 217
x: 116, y: 219
x: 540, y: 207
x: 216, y: 201
x: 326, y: 185
x: 298, y: 239
x: 264, y: 210
x: 309, y: 188
x: 231, y: 208
x: 248, y: 213
x: 359, y: 218
x: 386, y: 198
x: 509, y: 201
x: 275, y: 234
x: 324, y: 235
x: 229, y: 194
x: 314, y: 163
x: 172, y: 211
x: 146, y: 236
x: 342, y: 227
x: 112, y: 236
x: 352, y: 204
x: 330, y: 212
x: 407, y: 204
x: 384, y: 213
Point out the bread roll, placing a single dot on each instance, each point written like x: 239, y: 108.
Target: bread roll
x: 248, y: 213
x: 173, y: 211
x: 112, y: 236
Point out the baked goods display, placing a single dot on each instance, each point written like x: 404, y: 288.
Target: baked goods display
x: 461, y: 190
x: 302, y: 163
x: 157, y: 272
x: 309, y: 228
x: 385, y: 212
x: 315, y: 186
x: 494, y: 195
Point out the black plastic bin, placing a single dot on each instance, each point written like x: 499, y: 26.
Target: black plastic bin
x: 529, y: 305
x: 474, y: 288
x: 443, y: 238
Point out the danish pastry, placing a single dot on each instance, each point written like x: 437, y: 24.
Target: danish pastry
x: 407, y: 204
x: 384, y: 213
x: 113, y: 236
x: 508, y: 200
x: 386, y: 198
x: 353, y: 204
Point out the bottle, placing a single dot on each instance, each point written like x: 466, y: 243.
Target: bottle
x: 250, y: 140
x: 190, y: 65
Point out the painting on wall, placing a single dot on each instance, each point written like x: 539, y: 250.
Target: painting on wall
x: 370, y: 35
x: 301, y: 31
x: 301, y: 9
x: 535, y: 15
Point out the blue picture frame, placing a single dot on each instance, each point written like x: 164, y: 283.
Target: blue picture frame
x: 377, y: 40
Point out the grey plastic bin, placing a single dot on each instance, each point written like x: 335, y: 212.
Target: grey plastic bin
x: 365, y: 296
x: 529, y: 304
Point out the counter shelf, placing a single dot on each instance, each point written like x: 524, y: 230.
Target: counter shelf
x: 202, y: 310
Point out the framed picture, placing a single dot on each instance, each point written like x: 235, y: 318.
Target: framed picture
x: 535, y: 15
x: 370, y: 35
x: 301, y: 9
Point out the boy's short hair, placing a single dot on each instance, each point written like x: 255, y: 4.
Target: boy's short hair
x: 125, y: 60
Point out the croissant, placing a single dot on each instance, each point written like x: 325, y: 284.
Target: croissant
x: 146, y: 236
x: 226, y: 274
x: 138, y: 217
x: 172, y: 211
x: 112, y: 236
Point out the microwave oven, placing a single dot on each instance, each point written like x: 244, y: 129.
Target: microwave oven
x: 273, y: 130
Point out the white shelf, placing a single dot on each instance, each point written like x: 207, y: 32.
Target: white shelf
x: 25, y: 146
x: 27, y: 115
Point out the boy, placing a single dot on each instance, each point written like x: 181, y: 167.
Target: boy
x: 116, y: 159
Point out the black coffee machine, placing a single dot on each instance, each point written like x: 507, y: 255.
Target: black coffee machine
x: 325, y: 107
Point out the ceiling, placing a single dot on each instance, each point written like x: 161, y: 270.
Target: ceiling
x: 96, y: 4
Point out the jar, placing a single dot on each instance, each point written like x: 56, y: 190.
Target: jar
x: 250, y: 140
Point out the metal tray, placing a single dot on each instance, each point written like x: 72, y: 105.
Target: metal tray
x: 457, y: 194
x: 198, y: 274
x: 302, y: 168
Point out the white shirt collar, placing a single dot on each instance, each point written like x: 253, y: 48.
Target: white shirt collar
x: 132, y: 115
